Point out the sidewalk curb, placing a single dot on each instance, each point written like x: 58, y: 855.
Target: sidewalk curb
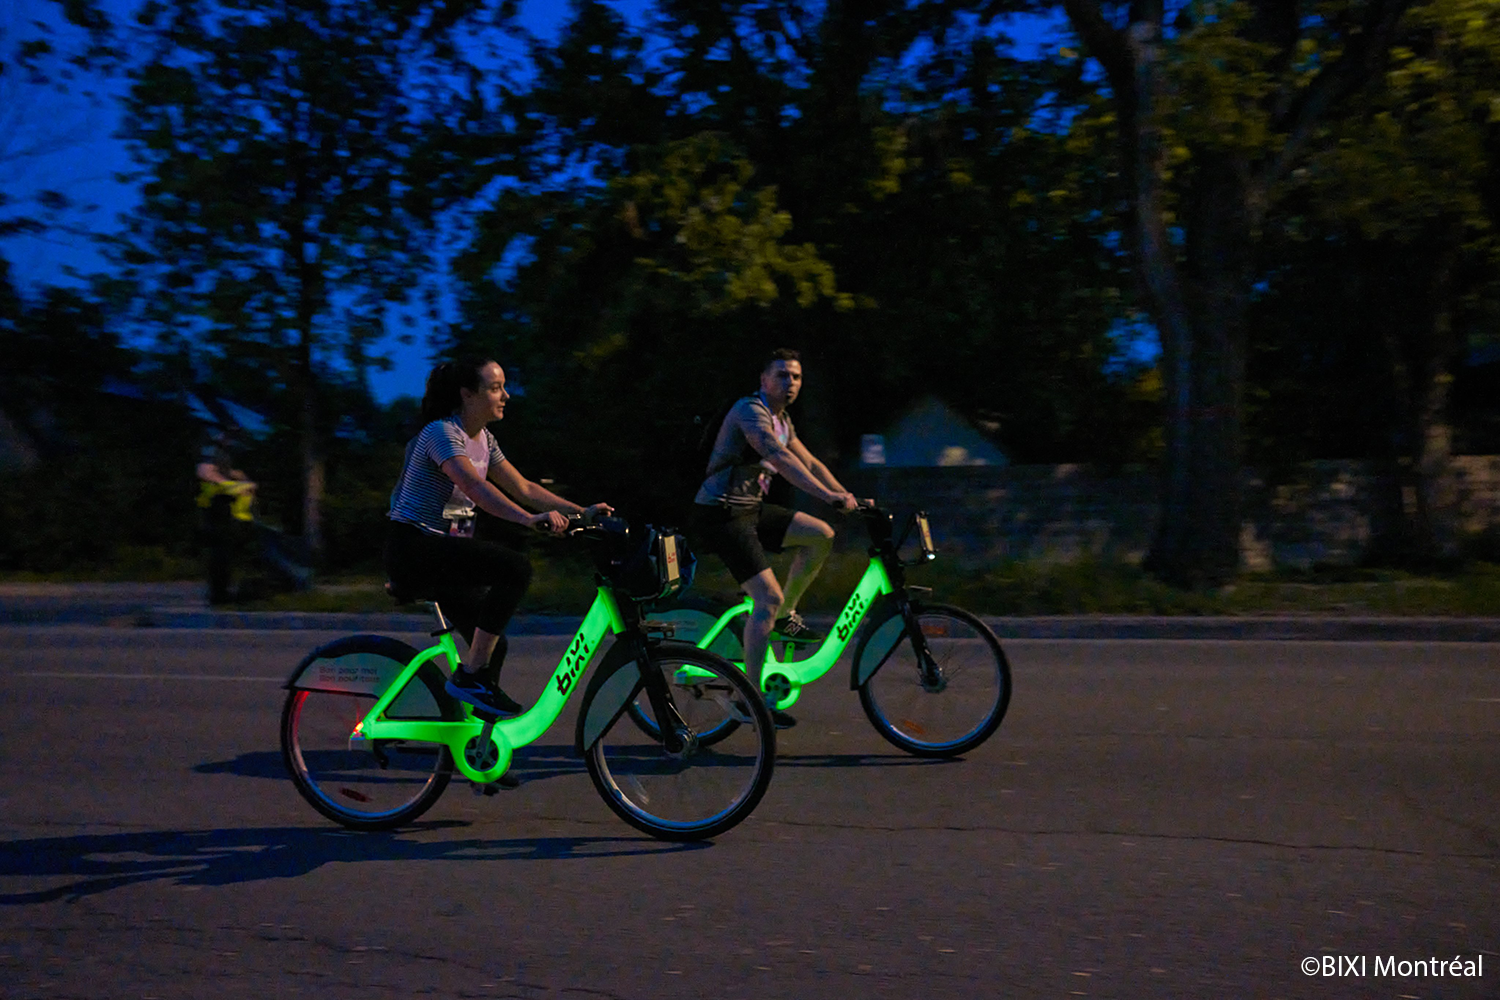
x: 123, y: 614
x: 135, y: 616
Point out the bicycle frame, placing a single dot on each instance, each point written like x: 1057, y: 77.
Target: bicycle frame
x: 603, y: 618
x: 884, y: 575
x: 875, y: 584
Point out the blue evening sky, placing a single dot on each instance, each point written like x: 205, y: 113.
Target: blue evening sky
x: 63, y: 142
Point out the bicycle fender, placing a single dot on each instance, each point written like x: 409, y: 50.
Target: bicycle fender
x: 616, y: 681
x: 337, y: 666
x: 886, y: 631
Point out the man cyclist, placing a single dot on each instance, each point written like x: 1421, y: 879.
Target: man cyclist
x: 731, y: 516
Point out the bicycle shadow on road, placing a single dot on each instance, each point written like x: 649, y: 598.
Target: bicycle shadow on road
x: 533, y: 762
x: 861, y: 760
x: 96, y: 863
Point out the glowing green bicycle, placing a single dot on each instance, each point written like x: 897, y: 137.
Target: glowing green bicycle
x: 371, y: 738
x: 932, y: 678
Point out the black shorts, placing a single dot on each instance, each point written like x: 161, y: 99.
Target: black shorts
x: 740, y: 536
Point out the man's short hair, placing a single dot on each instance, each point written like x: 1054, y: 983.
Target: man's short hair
x: 782, y: 354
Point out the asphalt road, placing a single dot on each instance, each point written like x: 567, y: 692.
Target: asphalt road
x: 1154, y: 819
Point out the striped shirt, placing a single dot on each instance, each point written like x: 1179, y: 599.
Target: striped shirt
x: 424, y: 495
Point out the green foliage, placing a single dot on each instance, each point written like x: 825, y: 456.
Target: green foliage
x: 698, y: 201
x: 113, y: 475
x: 1400, y: 197
x: 780, y: 177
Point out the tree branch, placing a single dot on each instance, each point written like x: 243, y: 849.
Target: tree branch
x: 1363, y: 57
x: 1104, y: 42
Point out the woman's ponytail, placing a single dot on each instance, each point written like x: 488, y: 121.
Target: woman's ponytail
x: 442, y: 398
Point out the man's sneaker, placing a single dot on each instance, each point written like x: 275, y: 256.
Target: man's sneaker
x: 740, y: 712
x: 482, y: 693
x: 791, y: 628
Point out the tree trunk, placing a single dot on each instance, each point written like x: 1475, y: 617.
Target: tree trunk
x: 1199, y: 308
x: 312, y: 452
x: 309, y: 279
x: 1197, y: 542
x: 1436, y: 527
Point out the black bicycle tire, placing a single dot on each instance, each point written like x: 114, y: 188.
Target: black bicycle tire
x: 977, y: 736
x: 663, y: 830
x: 429, y: 675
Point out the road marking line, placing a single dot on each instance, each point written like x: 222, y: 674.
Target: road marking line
x: 148, y: 677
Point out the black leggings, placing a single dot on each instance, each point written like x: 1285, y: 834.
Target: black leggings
x: 478, y: 583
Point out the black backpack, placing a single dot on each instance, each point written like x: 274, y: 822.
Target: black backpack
x: 702, y: 434
x: 705, y: 433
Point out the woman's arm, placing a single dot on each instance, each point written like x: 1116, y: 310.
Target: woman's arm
x: 509, y: 479
x: 492, y: 501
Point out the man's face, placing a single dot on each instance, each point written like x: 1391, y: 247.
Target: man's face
x: 781, y: 381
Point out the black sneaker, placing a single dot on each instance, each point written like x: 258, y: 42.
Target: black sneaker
x: 782, y: 720
x: 482, y: 694
x: 740, y: 712
x: 506, y: 780
x: 791, y: 628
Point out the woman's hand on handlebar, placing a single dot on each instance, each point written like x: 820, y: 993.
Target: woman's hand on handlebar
x: 549, y: 520
x: 593, y: 512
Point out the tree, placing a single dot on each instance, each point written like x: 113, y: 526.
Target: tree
x: 1388, y: 259
x: 295, y: 154
x: 1216, y: 104
x: 112, y: 465
x: 884, y: 186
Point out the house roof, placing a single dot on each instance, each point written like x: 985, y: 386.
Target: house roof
x: 932, y: 434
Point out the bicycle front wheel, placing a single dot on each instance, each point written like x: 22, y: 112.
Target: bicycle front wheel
x: 953, y: 705
x: 686, y: 788
x: 364, y: 784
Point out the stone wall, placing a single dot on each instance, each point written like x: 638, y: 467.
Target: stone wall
x: 1328, y: 514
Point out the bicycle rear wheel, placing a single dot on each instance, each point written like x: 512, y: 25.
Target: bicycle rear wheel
x: 705, y: 788
x: 942, y: 712
x: 363, y: 784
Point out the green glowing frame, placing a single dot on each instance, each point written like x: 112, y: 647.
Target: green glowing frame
x: 603, y: 617
x: 875, y: 584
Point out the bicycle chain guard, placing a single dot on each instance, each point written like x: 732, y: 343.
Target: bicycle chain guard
x: 779, y: 688
x: 481, y: 753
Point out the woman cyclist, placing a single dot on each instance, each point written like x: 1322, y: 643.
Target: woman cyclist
x: 452, y: 466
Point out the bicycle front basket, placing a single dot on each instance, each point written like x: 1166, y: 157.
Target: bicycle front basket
x: 658, y: 565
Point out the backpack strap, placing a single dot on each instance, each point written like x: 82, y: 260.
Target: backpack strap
x: 711, y: 433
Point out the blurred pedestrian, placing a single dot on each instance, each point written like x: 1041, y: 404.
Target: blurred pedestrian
x: 226, y: 495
